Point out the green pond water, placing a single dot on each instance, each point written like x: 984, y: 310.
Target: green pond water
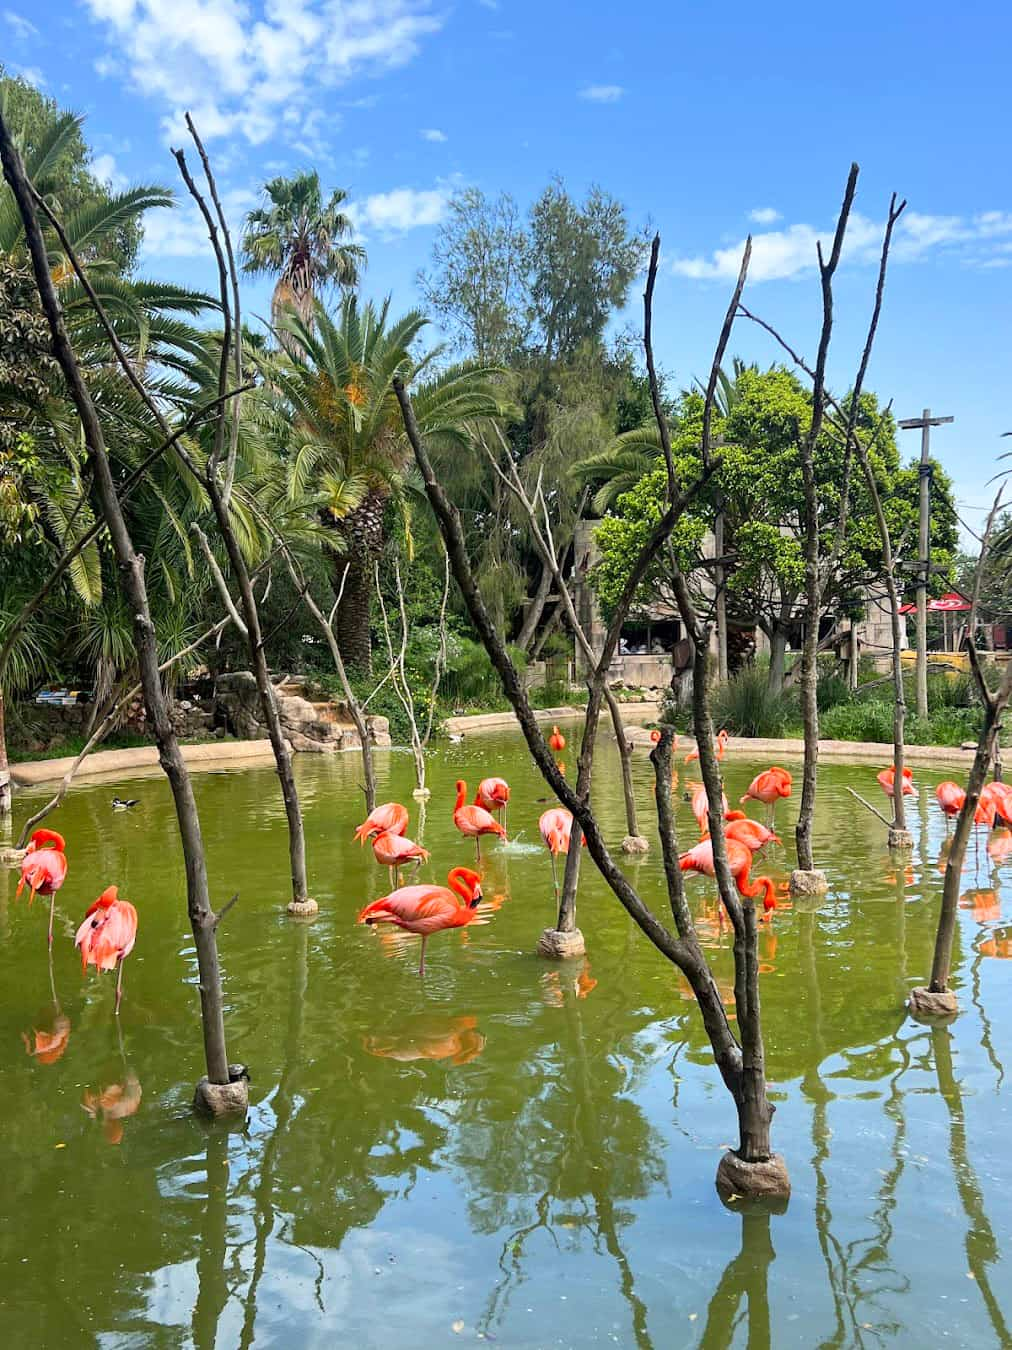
x: 510, y: 1152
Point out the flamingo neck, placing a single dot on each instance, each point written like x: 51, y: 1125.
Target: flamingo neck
x: 461, y: 794
x: 458, y: 881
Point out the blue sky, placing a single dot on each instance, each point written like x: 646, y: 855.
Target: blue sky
x: 706, y: 121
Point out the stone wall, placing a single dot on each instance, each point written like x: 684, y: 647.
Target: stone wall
x: 309, y: 726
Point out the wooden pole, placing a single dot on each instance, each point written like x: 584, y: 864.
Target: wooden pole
x: 925, y: 422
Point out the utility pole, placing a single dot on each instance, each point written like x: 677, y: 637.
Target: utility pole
x: 925, y: 422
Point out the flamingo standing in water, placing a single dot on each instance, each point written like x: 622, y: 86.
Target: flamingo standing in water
x: 428, y: 909
x: 701, y: 805
x: 739, y: 858
x: 390, y: 818
x: 43, y: 869
x: 493, y: 795
x: 887, y: 781
x: 474, y: 821
x: 396, y: 851
x: 719, y: 747
x: 556, y: 826
x: 768, y: 787
x: 748, y: 832
x: 950, y: 798
x: 556, y: 740
x: 107, y: 936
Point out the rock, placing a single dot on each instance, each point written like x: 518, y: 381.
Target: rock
x: 808, y: 883
x: 303, y: 909
x: 635, y: 843
x: 222, y: 1099
x: 932, y: 1006
x: 11, y: 857
x: 900, y: 838
x: 767, y: 1181
x: 558, y: 946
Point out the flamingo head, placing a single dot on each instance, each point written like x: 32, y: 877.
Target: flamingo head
x: 46, y: 839
x: 470, y: 882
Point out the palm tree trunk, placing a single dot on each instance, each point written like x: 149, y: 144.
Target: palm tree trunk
x: 353, y: 636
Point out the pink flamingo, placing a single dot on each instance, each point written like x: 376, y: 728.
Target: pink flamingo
x: 396, y: 851
x: 43, y: 869
x: 474, y: 821
x: 768, y: 787
x: 749, y: 832
x: 701, y: 805
x: 556, y: 826
x: 719, y: 746
x: 950, y: 798
x: 428, y: 909
x: 739, y: 858
x: 493, y: 795
x: 107, y: 936
x: 390, y: 818
x: 887, y: 781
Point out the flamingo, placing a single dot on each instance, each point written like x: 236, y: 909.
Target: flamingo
x: 886, y: 781
x: 107, y: 936
x: 435, y: 1037
x: 428, y: 909
x: 390, y: 818
x: 768, y: 787
x: 396, y: 851
x: 43, y: 869
x: 719, y: 747
x: 749, y: 832
x: 950, y: 798
x: 994, y: 803
x: 655, y: 736
x: 701, y: 805
x: 556, y: 740
x: 739, y: 859
x: 493, y: 795
x: 1003, y: 792
x: 556, y: 826
x: 474, y: 821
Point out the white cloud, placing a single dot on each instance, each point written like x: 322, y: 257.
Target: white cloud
x: 104, y: 168
x: 401, y: 209
x: 180, y: 232
x: 30, y: 75
x: 243, y: 69
x: 780, y: 255
x: 432, y: 134
x: 602, y: 93
x: 19, y: 24
x: 765, y: 215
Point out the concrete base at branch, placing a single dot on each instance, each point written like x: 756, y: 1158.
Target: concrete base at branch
x: 928, y: 1005
x: 558, y: 946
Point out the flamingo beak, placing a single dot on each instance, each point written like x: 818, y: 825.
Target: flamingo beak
x: 476, y: 896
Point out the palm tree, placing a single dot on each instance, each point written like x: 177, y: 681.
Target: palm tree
x: 301, y: 241
x: 330, y: 407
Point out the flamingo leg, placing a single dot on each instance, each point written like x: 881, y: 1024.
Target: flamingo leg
x: 555, y: 875
x: 421, y: 963
x: 119, y: 985
x: 52, y: 906
x: 477, y: 846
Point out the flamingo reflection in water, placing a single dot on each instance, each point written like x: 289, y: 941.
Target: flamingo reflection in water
x: 113, y: 1105
x: 46, y: 1047
x: 432, y: 1037
x: 555, y: 986
x: 984, y: 905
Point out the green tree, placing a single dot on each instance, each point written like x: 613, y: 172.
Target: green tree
x: 478, y: 281
x: 302, y: 241
x: 759, y: 483
x: 331, y: 411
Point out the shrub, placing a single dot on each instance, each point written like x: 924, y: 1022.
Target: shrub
x: 745, y: 706
x: 861, y: 720
x: 832, y: 690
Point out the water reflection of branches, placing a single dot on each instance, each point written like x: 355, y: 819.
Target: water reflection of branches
x: 981, y: 1245
x: 593, y: 1128
x: 746, y: 1275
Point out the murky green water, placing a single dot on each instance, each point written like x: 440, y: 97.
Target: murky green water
x: 510, y: 1152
